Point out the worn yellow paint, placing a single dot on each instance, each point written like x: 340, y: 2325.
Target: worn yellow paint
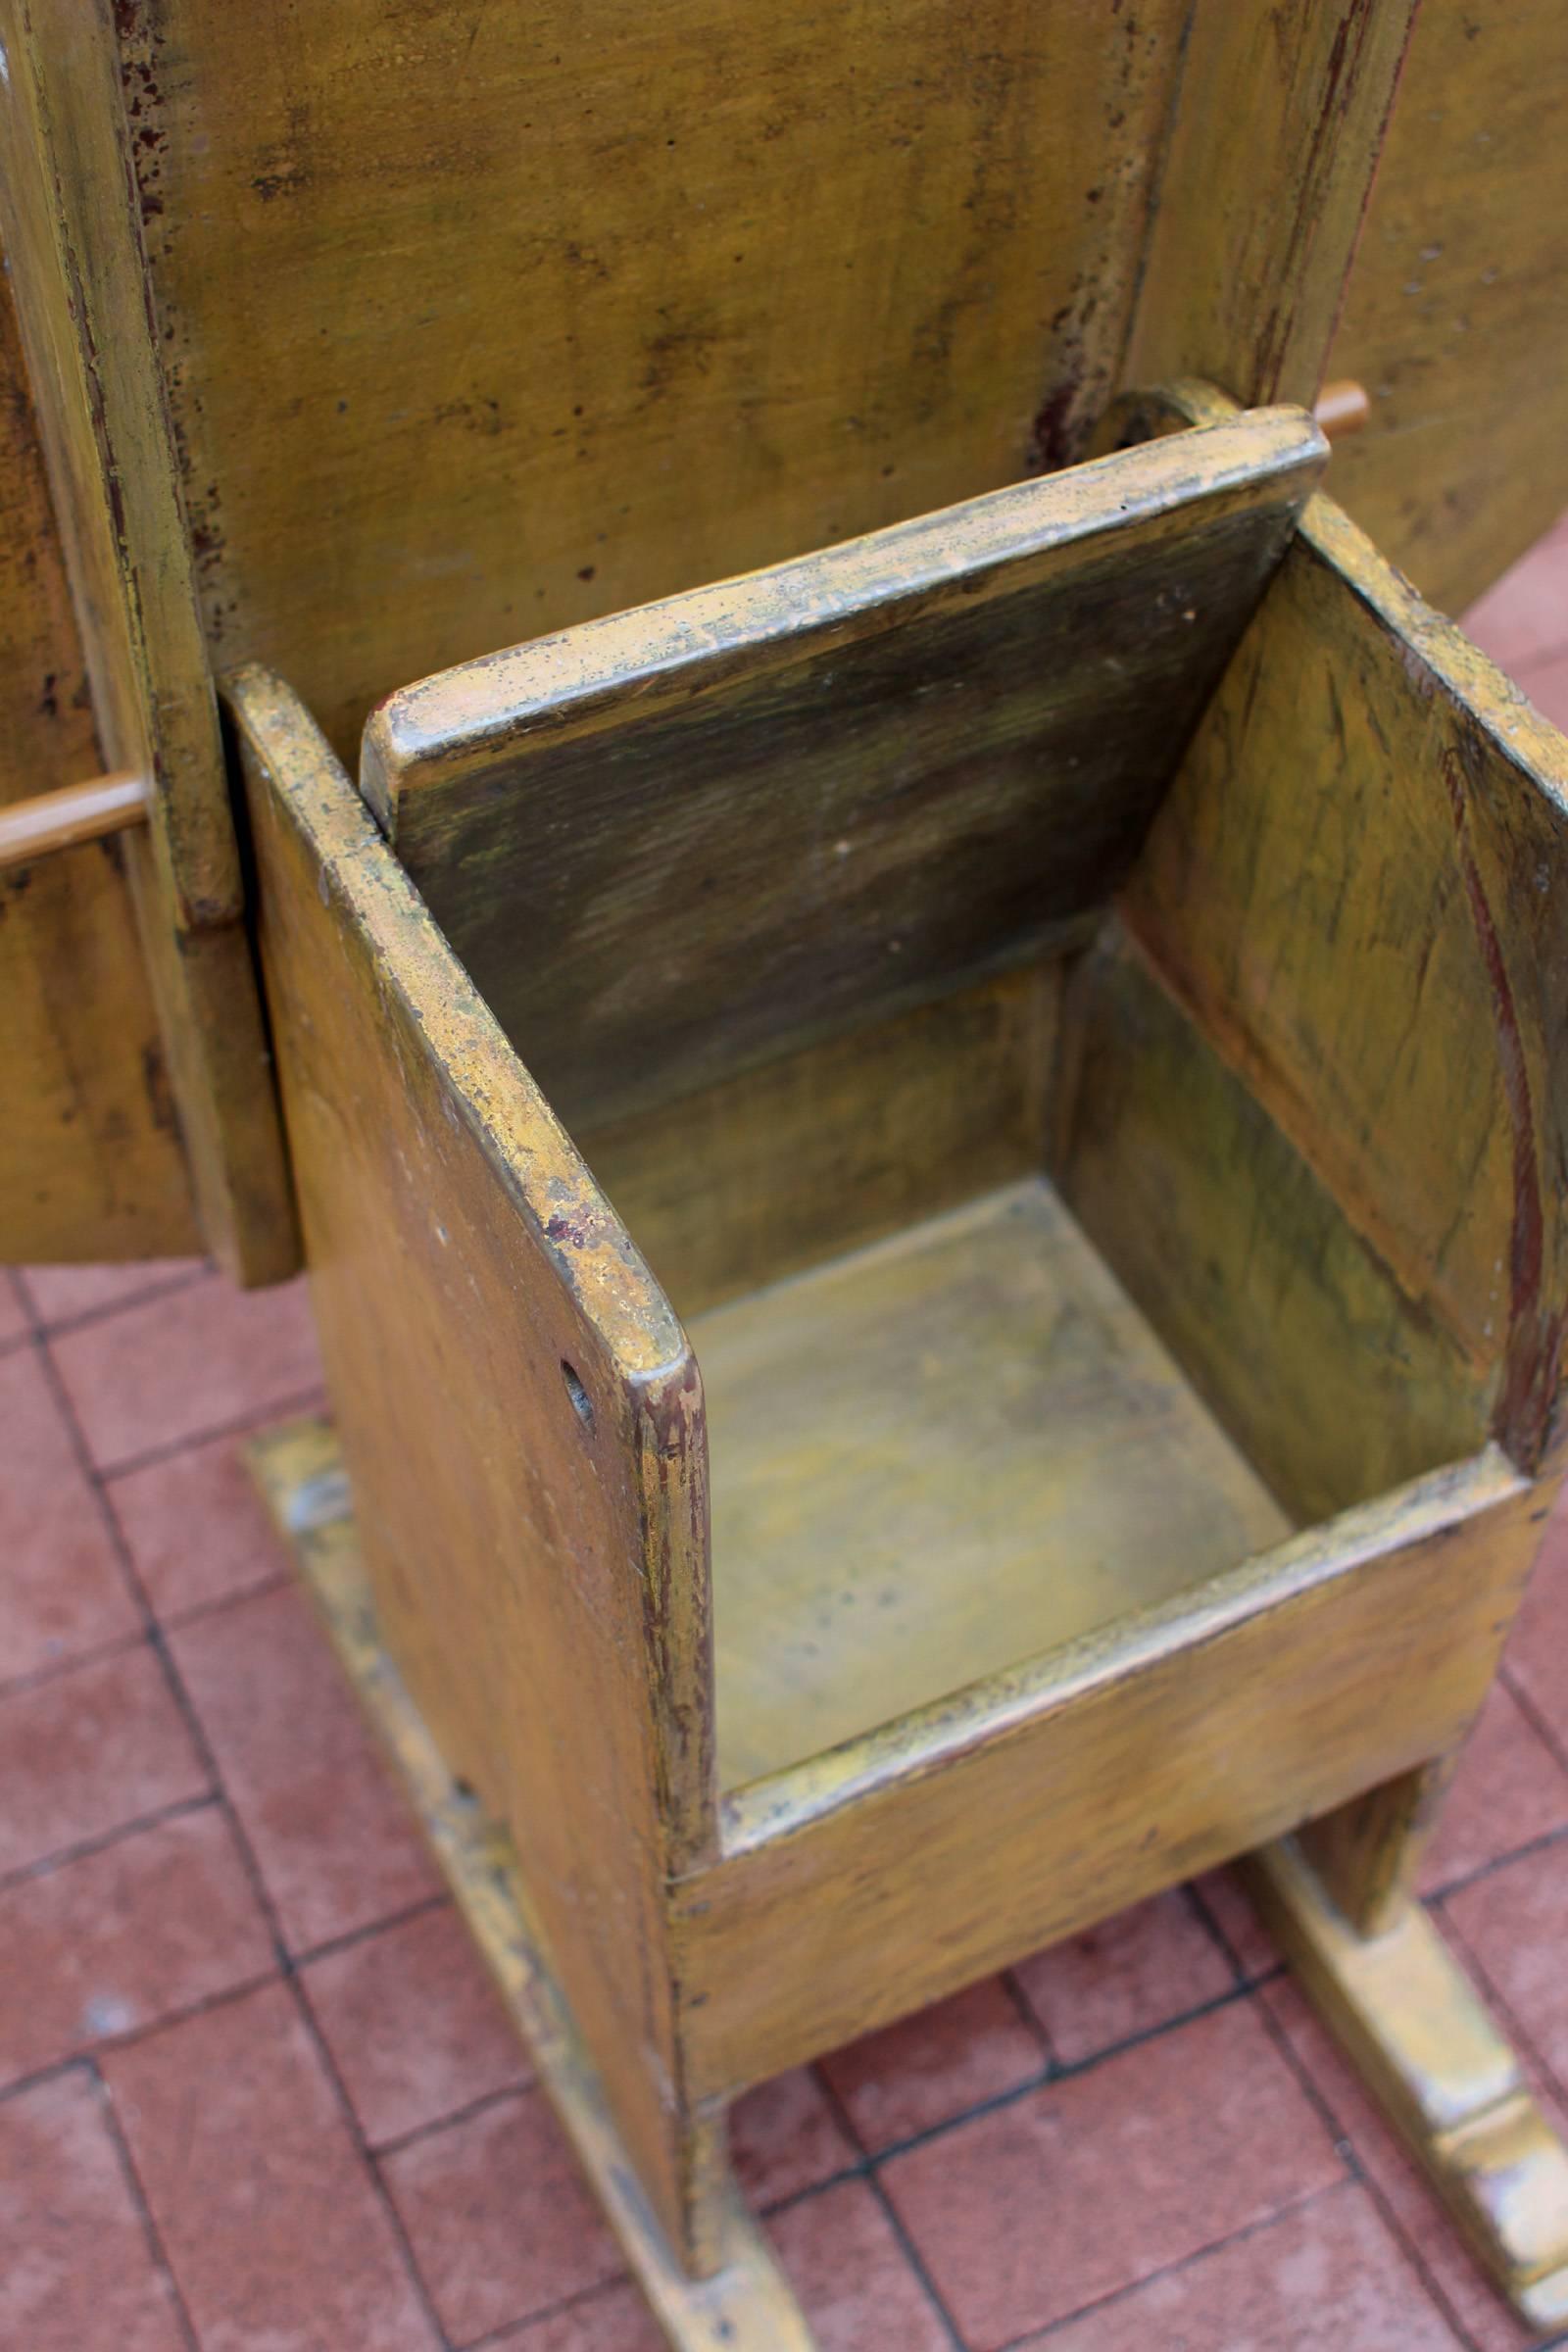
x: 1105, y: 1663
x: 1371, y: 816
x: 1455, y: 315
x: 784, y: 281
x: 1291, y: 1325
x: 934, y: 1457
x: 73, y: 233
x: 1367, y: 1855
x: 746, y: 2304
x: 576, y: 309
x: 772, y: 809
x: 1272, y: 146
x: 831, y: 1148
x: 783, y: 1167
x: 1045, y: 1798
x: 519, y: 1411
x: 1412, y: 2023
x: 90, y: 1164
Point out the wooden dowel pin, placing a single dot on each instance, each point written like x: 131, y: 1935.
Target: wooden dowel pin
x: 1342, y: 408
x: 76, y: 812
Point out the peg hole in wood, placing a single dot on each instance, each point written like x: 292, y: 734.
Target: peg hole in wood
x: 582, y: 1402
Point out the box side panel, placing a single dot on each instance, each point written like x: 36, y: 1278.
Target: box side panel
x: 861, y: 1886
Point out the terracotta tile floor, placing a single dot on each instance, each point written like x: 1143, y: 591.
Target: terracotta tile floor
x: 256, y: 2095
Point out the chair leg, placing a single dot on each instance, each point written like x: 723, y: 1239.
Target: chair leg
x: 743, y: 2302
x: 1367, y: 1853
x: 1416, y: 2031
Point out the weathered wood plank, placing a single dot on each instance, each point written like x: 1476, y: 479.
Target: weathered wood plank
x: 1367, y: 1854
x: 520, y: 1415
x: 1051, y: 1797
x: 91, y: 1164
x: 1456, y: 313
x: 72, y: 230
x: 1335, y: 1383
x: 1275, y: 133
x: 1373, y: 821
x: 788, y: 1164
x: 569, y: 311
x: 784, y: 278
x: 673, y: 843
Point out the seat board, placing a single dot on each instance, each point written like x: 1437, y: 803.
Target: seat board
x: 937, y: 1457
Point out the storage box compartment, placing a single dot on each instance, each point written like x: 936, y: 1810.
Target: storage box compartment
x: 935, y: 1190
x: 1034, y: 1232
x: 1019, y: 1312
x: 939, y: 1456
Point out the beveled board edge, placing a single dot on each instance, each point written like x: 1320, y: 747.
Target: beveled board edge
x: 486, y: 1087
x: 786, y: 1804
x: 441, y: 729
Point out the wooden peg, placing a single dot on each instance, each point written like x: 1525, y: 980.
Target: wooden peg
x: 76, y: 813
x: 1342, y: 408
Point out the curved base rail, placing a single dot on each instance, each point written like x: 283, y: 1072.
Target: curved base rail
x: 1417, y: 2032
x: 747, y: 2305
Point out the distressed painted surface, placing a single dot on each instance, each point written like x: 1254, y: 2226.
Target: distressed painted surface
x: 1304, y: 1343
x: 67, y: 212
x: 1414, y: 2027
x: 1374, y: 823
x: 90, y: 1164
x: 1456, y: 313
x: 907, y: 1863
x: 746, y: 2304
x: 938, y: 1456
x: 819, y: 1152
x: 569, y: 312
x: 1197, y: 1721
x: 521, y: 1419
x: 1273, y: 141
x: 467, y: 332
x: 676, y: 843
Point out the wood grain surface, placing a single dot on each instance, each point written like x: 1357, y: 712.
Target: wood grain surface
x: 1372, y: 818
x: 676, y: 843
x: 905, y: 1864
x: 1456, y: 316
x: 745, y: 2304
x: 478, y: 326
x: 1273, y: 140
x: 91, y: 1164
x: 938, y: 1456
x: 1300, y: 1338
x: 1415, y: 2029
x: 72, y: 232
x: 816, y: 1153
x: 520, y: 1417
